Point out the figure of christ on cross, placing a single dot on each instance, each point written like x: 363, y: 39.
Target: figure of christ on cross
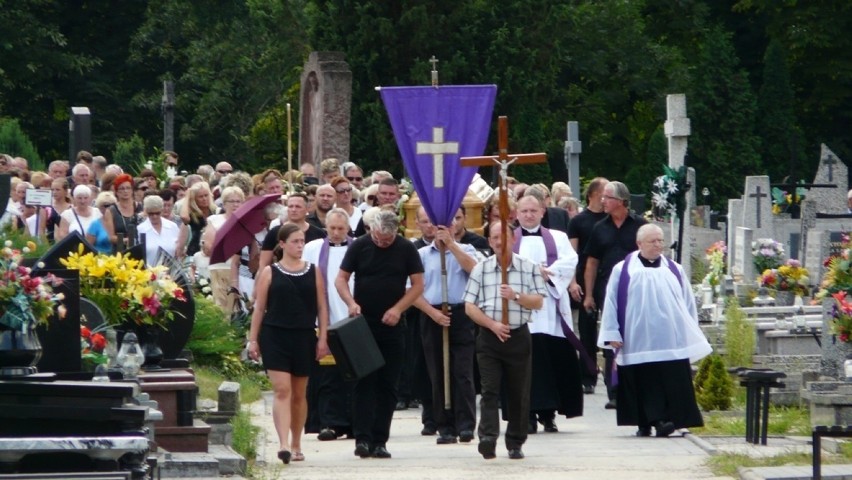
x: 503, y: 160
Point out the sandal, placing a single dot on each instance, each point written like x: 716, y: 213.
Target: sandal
x: 298, y: 457
x: 284, y: 456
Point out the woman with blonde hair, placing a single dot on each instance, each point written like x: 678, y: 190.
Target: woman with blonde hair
x: 196, y: 207
x: 80, y: 216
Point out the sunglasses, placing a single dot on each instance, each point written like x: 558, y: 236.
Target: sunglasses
x: 107, y: 205
x: 144, y: 189
x: 355, y: 179
x: 344, y: 190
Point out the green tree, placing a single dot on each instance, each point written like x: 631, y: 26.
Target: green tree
x: 723, y: 145
x: 779, y: 133
x: 15, y: 142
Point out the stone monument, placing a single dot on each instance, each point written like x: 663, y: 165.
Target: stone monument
x: 677, y: 129
x: 831, y: 171
x: 325, y: 106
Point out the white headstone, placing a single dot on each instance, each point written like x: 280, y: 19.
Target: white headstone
x: 735, y: 219
x: 831, y: 171
x: 744, y: 265
x: 816, y: 250
x: 757, y: 207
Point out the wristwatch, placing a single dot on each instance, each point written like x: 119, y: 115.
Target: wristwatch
x: 517, y: 297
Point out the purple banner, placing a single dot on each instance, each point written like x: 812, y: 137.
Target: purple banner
x: 434, y: 128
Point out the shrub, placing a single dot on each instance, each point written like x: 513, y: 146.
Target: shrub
x: 214, y: 342
x: 129, y: 154
x: 739, y: 335
x: 716, y: 387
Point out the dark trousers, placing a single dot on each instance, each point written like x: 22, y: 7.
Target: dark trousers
x: 334, y: 399
x: 414, y: 380
x: 375, y: 395
x: 511, y: 360
x: 587, y: 324
x: 462, y: 413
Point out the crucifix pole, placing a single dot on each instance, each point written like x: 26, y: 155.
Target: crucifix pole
x: 503, y: 160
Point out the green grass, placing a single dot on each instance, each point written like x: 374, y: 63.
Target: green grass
x: 245, y: 438
x: 725, y: 464
x: 782, y: 421
x: 251, y: 384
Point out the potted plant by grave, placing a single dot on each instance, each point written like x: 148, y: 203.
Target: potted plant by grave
x: 766, y: 254
x: 838, y: 272
x: 131, y: 295
x: 787, y: 281
x: 26, y: 301
x: 715, y: 256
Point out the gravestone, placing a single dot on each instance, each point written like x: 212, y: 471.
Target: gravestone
x: 325, y: 106
x: 809, y: 211
x: 744, y: 264
x: 735, y: 219
x: 816, y: 251
x: 831, y: 170
x: 60, y: 339
x: 757, y: 207
x: 79, y: 131
x: 573, y: 148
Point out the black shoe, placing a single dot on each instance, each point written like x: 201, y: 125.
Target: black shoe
x: 610, y: 405
x: 664, y: 429
x: 362, y: 449
x: 589, y: 389
x: 550, y: 426
x: 486, y: 449
x: 401, y: 405
x: 643, y: 432
x: 414, y: 403
x: 284, y: 456
x: 516, y: 453
x: 465, y: 436
x: 446, y: 439
x: 533, y: 427
x: 381, y: 452
x: 428, y: 430
x: 327, y: 434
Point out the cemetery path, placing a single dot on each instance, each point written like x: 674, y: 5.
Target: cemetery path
x: 589, y: 445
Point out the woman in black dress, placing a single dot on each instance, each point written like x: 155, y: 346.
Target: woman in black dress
x: 290, y: 304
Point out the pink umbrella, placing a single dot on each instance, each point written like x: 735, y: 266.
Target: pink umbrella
x: 240, y: 228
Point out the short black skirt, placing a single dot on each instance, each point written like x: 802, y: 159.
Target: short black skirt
x: 288, y: 350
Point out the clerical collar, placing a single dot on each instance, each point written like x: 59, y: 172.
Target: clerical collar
x: 341, y: 244
x: 535, y: 232
x: 650, y: 263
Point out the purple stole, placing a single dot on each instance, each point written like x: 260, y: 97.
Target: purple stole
x: 323, y: 261
x: 552, y: 255
x: 621, y: 301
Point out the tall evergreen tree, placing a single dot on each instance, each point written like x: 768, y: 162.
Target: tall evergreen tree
x: 780, y: 137
x: 723, y: 146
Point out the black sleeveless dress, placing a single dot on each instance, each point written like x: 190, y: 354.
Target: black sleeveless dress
x: 287, y: 337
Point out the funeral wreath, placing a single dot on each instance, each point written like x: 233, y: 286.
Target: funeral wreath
x: 25, y: 300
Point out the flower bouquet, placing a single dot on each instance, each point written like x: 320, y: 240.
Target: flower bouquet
x: 767, y: 254
x: 716, y: 257
x: 783, y: 202
x: 668, y: 192
x: 838, y: 272
x: 25, y: 300
x: 125, y: 289
x: 841, y: 322
x: 93, y: 345
x: 790, y: 277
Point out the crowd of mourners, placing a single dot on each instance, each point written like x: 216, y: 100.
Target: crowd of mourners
x: 330, y: 251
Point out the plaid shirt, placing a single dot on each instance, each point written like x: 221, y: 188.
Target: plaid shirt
x: 483, y: 288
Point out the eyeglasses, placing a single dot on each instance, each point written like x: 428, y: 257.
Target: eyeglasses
x: 344, y: 190
x: 223, y: 172
x: 107, y: 205
x: 233, y: 202
x: 607, y: 197
x: 354, y: 179
x: 156, y: 214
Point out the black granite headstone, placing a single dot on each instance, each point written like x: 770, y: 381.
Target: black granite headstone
x: 60, y: 339
x: 69, y: 244
x: 5, y: 189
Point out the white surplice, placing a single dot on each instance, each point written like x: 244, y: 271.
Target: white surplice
x: 337, y: 309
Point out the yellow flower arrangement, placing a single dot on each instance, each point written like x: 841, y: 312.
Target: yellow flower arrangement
x: 791, y: 276
x: 125, y: 289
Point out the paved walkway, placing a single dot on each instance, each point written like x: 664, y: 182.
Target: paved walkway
x: 591, y: 446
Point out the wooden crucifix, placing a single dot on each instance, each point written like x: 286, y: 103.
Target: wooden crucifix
x: 503, y: 160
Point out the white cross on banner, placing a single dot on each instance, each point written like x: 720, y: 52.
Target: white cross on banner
x: 437, y: 148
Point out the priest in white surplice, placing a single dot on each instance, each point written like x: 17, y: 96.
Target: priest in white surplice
x: 649, y: 318
x: 328, y: 395
x: 556, y: 374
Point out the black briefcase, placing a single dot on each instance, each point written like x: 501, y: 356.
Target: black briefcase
x: 354, y: 348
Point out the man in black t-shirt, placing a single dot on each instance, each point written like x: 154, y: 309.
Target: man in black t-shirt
x: 382, y: 263
x: 579, y: 232
x: 611, y: 240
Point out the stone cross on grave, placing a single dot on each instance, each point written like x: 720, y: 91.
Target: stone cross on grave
x: 437, y: 148
x: 573, y: 148
x: 831, y: 161
x: 677, y: 129
x: 503, y: 160
x: 757, y: 196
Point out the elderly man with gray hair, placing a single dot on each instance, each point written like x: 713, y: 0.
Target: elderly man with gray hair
x: 382, y: 262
